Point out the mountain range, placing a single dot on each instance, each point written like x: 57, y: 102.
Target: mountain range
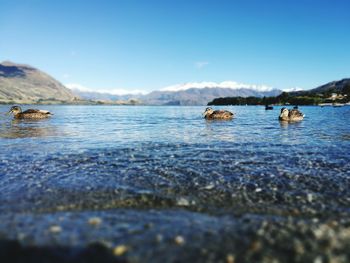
x: 25, y: 84
x: 188, y: 94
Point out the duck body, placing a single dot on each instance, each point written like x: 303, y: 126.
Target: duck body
x: 211, y: 114
x: 291, y: 115
x: 29, y: 114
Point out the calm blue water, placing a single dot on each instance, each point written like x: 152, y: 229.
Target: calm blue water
x: 101, y: 157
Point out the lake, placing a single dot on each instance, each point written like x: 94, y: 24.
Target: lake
x: 167, y: 185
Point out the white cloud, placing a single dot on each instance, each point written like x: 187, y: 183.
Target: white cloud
x: 79, y: 87
x: 224, y: 84
x: 201, y: 64
x: 66, y: 76
x: 292, y: 89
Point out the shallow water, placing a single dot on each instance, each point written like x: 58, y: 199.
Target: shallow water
x: 100, y: 158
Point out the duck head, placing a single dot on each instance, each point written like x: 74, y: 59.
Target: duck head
x: 208, y: 111
x: 15, y: 110
x: 284, y: 112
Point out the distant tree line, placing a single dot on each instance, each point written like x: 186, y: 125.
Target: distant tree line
x: 304, y: 98
x: 281, y: 99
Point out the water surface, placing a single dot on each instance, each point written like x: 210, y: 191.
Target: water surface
x: 165, y: 159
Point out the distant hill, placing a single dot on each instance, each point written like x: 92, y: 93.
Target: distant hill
x: 340, y: 86
x: 332, y: 92
x: 26, y: 84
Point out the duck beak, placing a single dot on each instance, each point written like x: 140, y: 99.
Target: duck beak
x: 9, y: 112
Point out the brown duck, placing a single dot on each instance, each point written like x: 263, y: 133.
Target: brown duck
x: 291, y: 115
x: 211, y: 114
x: 29, y: 114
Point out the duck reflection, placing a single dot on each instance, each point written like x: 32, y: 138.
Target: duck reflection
x: 286, y: 124
x: 28, y: 128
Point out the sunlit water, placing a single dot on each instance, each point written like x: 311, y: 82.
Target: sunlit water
x: 103, y: 157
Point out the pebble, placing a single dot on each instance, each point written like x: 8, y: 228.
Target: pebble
x: 95, y: 221
x: 179, y: 240
x: 230, y: 258
x: 309, y: 197
x: 120, y: 250
x: 182, y: 202
x: 21, y: 236
x: 209, y: 187
x: 55, y: 229
x: 60, y: 207
x: 159, y: 238
x: 255, y: 246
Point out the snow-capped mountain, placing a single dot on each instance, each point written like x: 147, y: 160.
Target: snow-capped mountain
x: 193, y: 93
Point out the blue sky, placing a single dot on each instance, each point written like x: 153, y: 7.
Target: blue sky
x: 148, y: 45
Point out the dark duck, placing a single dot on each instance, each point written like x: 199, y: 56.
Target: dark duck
x: 211, y: 114
x: 29, y: 114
